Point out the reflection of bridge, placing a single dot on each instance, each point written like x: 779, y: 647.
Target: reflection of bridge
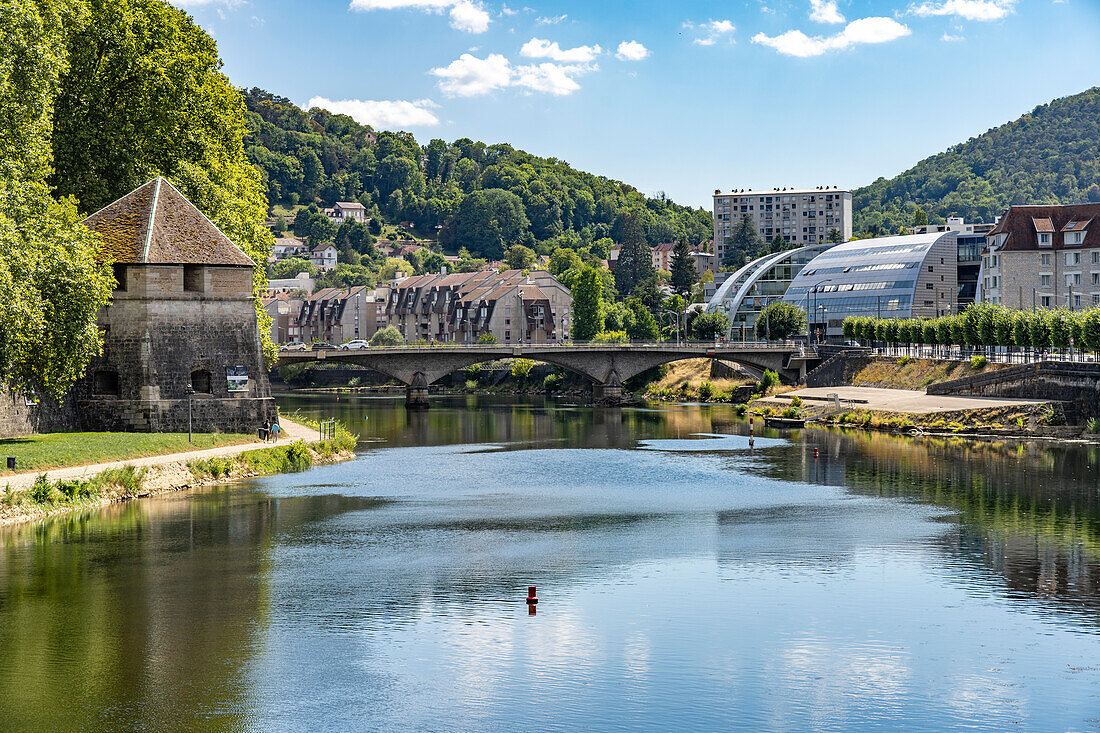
x: 606, y: 365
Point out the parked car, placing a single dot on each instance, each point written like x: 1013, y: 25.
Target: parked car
x: 355, y: 344
x: 852, y: 343
x: 294, y: 347
x: 321, y: 345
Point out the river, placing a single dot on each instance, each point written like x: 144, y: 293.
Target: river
x: 687, y: 581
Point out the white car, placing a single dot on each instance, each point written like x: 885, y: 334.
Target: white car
x: 294, y: 347
x: 355, y: 344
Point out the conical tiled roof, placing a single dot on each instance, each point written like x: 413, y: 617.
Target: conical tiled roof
x: 156, y: 225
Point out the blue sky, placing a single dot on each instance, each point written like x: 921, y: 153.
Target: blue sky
x: 683, y: 97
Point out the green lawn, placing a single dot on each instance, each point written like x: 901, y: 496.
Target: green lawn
x: 59, y: 450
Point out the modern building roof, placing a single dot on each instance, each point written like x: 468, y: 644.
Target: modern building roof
x: 155, y: 224
x: 773, y: 191
x: 1023, y: 223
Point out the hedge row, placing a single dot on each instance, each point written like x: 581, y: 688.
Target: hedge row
x: 985, y: 324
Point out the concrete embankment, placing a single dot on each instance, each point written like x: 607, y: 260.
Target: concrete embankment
x: 32, y: 496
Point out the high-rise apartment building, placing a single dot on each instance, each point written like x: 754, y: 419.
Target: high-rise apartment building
x: 803, y: 216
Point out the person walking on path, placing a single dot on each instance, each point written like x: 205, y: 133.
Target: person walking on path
x: 265, y: 431
x: 275, y: 432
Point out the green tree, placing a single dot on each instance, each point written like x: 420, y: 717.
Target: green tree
x: 490, y: 221
x: 388, y: 336
x: 835, y: 236
x: 587, y: 288
x: 563, y: 260
x: 708, y: 326
x: 683, y: 268
x: 644, y: 326
x: 519, y: 257
x: 780, y: 320
x: 291, y: 266
x: 743, y: 245
x: 635, y: 262
x: 920, y: 218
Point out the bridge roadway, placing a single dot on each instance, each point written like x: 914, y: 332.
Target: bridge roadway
x: 607, y: 365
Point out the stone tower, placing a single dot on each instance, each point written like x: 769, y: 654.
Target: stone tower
x: 180, y: 327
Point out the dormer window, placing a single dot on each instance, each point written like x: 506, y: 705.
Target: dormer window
x: 1074, y: 238
x: 1044, y: 239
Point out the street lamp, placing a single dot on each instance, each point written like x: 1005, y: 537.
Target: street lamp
x: 806, y: 304
x: 190, y: 395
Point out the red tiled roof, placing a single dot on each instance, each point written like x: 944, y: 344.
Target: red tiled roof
x: 1043, y: 225
x: 1079, y: 225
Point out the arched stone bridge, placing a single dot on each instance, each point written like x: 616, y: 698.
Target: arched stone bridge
x: 606, y: 365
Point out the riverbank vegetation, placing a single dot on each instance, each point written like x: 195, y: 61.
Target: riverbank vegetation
x: 61, y: 450
x: 916, y: 374
x: 50, y: 497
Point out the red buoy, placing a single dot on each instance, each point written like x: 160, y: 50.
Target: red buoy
x: 531, y: 598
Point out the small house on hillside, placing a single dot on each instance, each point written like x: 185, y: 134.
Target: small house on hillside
x: 181, y: 326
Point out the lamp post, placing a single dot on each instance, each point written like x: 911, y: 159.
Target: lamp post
x: 190, y: 395
x: 809, y: 313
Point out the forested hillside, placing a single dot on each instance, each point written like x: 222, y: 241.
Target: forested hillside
x: 1051, y: 155
x: 484, y: 197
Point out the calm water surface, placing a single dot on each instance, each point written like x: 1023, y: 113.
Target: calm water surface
x: 687, y: 582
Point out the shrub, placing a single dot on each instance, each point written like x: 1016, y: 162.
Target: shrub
x: 487, y: 338
x: 610, y: 337
x: 470, y: 385
x: 1092, y: 425
x: 978, y: 362
x: 706, y: 390
x: 521, y: 368
x: 904, y: 360
x: 791, y: 412
x: 796, y: 401
x: 769, y: 380
x: 388, y: 336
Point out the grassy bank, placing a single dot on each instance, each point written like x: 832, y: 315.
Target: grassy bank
x: 916, y: 374
x: 61, y: 450
x: 50, y: 497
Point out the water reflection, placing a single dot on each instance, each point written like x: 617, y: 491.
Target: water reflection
x: 685, y: 581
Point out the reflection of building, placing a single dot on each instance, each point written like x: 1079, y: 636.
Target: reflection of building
x: 971, y: 244
x: 464, y: 306
x: 801, y: 216
x: 1044, y: 256
x: 181, y: 320
x: 911, y: 276
x: 745, y: 293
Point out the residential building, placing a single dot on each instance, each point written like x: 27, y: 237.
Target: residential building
x: 746, y: 292
x: 461, y: 307
x: 704, y: 262
x: 335, y: 315
x: 662, y: 256
x: 300, y: 282
x: 971, y: 244
x: 323, y: 257
x: 350, y: 210
x: 287, y: 247
x: 181, y: 346
x: 803, y: 216
x: 911, y: 276
x: 1044, y: 257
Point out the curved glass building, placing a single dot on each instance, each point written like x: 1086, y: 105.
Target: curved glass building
x: 749, y: 290
x: 913, y: 276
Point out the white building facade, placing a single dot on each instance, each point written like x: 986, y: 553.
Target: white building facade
x: 802, y: 216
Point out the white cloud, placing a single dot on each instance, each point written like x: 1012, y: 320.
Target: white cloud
x: 506, y: 11
x: 469, y: 76
x: 825, y: 11
x: 631, y: 51
x: 396, y: 114
x: 466, y: 15
x: 711, y: 31
x: 556, y: 79
x: 862, y: 31
x: 949, y: 38
x: 469, y: 17
x: 986, y: 10
x: 551, y: 20
x: 538, y: 48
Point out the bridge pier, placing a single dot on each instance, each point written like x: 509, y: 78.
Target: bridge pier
x: 416, y: 394
x: 610, y: 393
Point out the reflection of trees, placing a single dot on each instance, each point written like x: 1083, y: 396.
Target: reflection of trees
x: 143, y: 615
x: 1029, y: 512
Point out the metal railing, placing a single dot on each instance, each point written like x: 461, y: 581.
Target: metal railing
x: 568, y: 345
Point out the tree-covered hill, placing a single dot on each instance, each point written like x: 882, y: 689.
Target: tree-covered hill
x: 484, y: 197
x: 1051, y: 155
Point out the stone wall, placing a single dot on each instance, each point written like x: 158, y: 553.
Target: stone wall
x: 208, y: 414
x: 17, y: 418
x: 839, y: 369
x: 1076, y: 384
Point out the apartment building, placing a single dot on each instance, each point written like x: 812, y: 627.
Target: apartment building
x: 461, y: 307
x: 332, y: 314
x: 1044, y: 257
x: 803, y: 216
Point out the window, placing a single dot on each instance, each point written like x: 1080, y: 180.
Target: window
x: 1095, y: 257
x: 1044, y: 280
x: 105, y: 382
x: 1046, y: 258
x: 200, y: 381
x: 192, y: 278
x: 1044, y: 239
x: 1074, y: 238
x: 1073, y: 258
x: 930, y: 268
x: 928, y: 286
x: 1045, y: 301
x: 1096, y: 278
x: 120, y: 276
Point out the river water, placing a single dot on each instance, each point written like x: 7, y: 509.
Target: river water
x: 686, y: 582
